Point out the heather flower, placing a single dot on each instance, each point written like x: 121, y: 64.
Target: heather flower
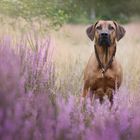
x: 32, y: 107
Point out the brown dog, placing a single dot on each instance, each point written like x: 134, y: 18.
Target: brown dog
x: 103, y: 74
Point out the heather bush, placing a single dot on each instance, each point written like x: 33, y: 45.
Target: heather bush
x: 33, y: 108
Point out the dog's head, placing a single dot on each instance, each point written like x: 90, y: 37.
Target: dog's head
x: 105, y: 32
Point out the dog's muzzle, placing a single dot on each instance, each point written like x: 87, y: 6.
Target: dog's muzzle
x: 104, y: 40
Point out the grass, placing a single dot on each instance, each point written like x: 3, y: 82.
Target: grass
x: 41, y: 82
x: 73, y: 45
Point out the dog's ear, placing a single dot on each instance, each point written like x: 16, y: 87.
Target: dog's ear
x: 91, y: 31
x: 120, y: 31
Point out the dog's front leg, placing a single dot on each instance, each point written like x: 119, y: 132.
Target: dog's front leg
x: 85, y: 89
x: 109, y: 93
x: 99, y: 94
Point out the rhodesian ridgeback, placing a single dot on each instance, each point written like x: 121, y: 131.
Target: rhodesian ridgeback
x: 103, y: 73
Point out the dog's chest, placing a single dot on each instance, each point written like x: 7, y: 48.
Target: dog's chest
x: 104, y: 81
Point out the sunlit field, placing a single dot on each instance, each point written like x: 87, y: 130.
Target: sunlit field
x: 73, y: 49
x: 41, y: 79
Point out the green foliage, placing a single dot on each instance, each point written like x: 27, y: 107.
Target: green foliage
x: 57, y: 12
x: 30, y: 9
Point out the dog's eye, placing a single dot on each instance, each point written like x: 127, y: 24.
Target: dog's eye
x: 99, y: 27
x: 111, y: 28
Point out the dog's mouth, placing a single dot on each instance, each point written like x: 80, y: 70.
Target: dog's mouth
x: 104, y: 41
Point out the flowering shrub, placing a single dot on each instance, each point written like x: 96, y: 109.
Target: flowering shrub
x: 31, y: 109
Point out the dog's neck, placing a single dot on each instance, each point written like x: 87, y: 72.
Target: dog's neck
x: 105, y: 53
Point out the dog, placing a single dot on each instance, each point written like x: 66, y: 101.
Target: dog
x: 103, y: 74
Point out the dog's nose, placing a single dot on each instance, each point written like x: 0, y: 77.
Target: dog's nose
x: 104, y: 34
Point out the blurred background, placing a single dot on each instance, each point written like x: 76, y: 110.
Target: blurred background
x: 58, y: 12
x: 65, y: 22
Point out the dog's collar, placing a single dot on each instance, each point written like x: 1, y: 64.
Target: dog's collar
x: 104, y: 68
